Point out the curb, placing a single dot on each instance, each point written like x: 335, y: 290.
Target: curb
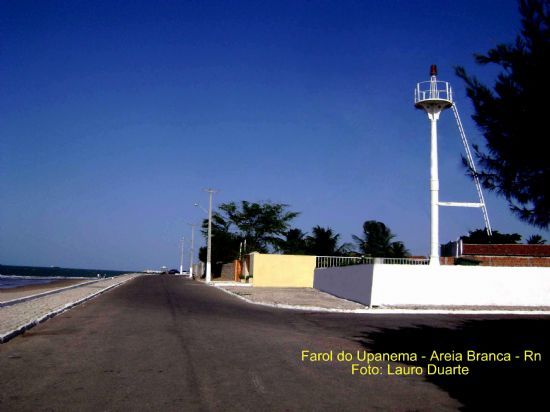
x: 20, y: 329
x: 229, y: 283
x: 374, y: 311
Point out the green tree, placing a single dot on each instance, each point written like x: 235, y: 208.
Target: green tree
x: 512, y: 117
x: 376, y: 241
x: 536, y: 240
x: 480, y: 237
x: 261, y: 225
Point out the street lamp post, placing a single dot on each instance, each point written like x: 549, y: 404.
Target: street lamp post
x: 192, y: 251
x: 181, y: 259
x: 209, y: 240
x: 209, y: 245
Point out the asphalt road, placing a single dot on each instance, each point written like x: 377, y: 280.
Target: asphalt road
x: 165, y: 343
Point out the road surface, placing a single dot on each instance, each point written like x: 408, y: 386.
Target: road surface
x: 165, y: 343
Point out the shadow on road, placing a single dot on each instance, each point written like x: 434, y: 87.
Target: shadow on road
x: 489, y: 385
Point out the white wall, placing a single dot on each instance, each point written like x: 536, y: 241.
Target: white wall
x: 444, y: 285
x: 348, y: 282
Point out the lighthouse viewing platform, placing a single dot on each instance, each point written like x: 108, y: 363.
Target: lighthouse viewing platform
x: 433, y: 94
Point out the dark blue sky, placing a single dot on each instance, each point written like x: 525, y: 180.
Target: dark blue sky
x: 115, y: 115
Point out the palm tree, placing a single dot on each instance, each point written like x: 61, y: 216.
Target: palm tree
x: 398, y: 250
x: 294, y: 243
x: 376, y: 241
x: 324, y: 242
x: 536, y: 240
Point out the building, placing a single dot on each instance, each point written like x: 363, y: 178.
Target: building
x: 495, y: 255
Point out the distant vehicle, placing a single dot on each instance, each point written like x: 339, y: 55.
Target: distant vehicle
x: 173, y: 272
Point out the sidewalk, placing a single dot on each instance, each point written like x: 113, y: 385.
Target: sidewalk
x: 293, y: 298
x: 315, y: 300
x: 18, y: 317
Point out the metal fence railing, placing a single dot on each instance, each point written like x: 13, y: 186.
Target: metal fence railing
x: 338, y: 261
x: 433, y: 90
x: 402, y: 261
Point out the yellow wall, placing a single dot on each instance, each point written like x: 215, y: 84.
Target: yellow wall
x: 282, y: 270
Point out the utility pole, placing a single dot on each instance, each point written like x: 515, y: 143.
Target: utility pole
x: 209, y: 243
x: 181, y: 259
x: 192, y: 251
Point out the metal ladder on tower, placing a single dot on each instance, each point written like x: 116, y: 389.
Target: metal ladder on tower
x: 472, y: 167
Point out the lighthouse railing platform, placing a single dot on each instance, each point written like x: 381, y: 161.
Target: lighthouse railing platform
x: 433, y: 90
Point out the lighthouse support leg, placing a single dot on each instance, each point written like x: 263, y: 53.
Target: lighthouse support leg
x: 434, y: 192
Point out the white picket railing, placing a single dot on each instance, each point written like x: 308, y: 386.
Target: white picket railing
x: 337, y: 261
x: 402, y: 261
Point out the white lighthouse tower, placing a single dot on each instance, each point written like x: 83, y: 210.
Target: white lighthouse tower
x: 433, y: 97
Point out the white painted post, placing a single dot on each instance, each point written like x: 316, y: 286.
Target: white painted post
x: 192, y: 251
x: 181, y: 259
x: 434, y: 192
x: 209, y: 244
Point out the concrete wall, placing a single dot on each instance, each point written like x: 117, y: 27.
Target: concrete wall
x: 198, y: 270
x: 500, y: 260
x: 349, y: 282
x: 497, y: 255
x: 228, y: 271
x: 444, y: 285
x: 506, y: 250
x: 282, y: 270
x: 510, y: 260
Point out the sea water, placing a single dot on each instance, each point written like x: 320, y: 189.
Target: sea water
x: 8, y: 282
x: 15, y: 276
